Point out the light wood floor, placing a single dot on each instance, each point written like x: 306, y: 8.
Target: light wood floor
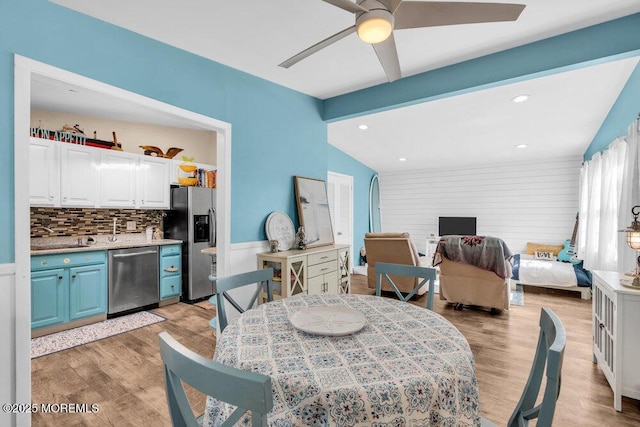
x: 123, y: 374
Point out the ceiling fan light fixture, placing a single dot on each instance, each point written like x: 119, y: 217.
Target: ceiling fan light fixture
x: 375, y: 26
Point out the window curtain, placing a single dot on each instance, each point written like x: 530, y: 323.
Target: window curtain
x: 609, y: 187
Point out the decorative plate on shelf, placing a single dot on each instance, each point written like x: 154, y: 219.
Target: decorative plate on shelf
x: 328, y: 320
x: 280, y: 227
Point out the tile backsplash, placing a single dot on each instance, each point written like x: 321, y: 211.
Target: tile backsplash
x: 82, y: 221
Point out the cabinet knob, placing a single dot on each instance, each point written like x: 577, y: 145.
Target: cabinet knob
x: 60, y: 277
x: 601, y: 325
x: 73, y: 276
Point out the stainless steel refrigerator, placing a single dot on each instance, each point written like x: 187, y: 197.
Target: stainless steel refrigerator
x: 192, y: 219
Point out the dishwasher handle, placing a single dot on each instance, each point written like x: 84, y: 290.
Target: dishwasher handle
x: 134, y: 254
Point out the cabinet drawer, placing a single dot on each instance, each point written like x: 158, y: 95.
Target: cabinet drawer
x: 321, y: 257
x: 324, y: 268
x: 170, y: 265
x: 67, y: 259
x: 170, y: 286
x: 167, y: 250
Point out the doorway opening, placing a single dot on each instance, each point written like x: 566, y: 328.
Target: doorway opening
x: 26, y: 72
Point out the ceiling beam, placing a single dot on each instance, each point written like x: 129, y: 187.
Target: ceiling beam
x: 600, y: 43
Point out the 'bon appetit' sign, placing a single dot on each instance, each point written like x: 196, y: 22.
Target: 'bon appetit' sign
x: 74, y: 138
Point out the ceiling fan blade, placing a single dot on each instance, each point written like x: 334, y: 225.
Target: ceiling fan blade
x: 392, y: 5
x: 418, y: 14
x: 388, y: 57
x: 318, y: 46
x: 347, y: 5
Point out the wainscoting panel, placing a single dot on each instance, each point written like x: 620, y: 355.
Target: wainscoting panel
x: 518, y: 202
x: 8, y: 339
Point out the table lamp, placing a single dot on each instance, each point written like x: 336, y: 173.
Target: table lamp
x: 633, y: 241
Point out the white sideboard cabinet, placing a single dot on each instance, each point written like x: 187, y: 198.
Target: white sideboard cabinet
x: 616, y: 334
x: 323, y: 269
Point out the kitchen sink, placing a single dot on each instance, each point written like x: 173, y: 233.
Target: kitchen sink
x: 58, y: 246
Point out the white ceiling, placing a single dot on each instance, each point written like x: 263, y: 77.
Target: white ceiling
x: 561, y: 117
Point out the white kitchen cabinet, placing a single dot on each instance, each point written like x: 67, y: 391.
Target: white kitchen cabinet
x: 71, y: 175
x: 79, y: 176
x: 616, y: 316
x: 44, y: 178
x: 118, y: 171
x: 153, y: 183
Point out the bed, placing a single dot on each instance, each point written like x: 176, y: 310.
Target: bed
x: 550, y: 273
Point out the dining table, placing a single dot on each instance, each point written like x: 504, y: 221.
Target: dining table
x: 371, y: 360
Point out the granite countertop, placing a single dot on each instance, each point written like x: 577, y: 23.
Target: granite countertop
x: 54, y: 245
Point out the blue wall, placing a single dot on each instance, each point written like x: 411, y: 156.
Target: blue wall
x: 276, y: 132
x: 341, y: 162
x: 624, y: 111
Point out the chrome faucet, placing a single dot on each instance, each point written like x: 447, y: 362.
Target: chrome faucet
x: 113, y: 237
x: 44, y: 228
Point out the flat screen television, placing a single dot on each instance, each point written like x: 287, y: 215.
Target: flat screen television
x: 460, y: 225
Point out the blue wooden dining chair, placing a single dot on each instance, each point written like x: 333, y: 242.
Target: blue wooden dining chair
x: 222, y: 286
x: 550, y: 352
x: 427, y: 274
x: 248, y: 391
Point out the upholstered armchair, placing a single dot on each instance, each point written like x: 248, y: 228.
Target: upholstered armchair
x: 474, y: 270
x: 393, y: 248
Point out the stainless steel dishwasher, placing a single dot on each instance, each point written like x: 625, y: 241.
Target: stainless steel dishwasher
x: 133, y: 278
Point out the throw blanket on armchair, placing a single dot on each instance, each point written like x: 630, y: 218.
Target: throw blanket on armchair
x: 486, y: 252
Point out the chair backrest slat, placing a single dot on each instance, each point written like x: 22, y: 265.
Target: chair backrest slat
x: 222, y: 285
x: 427, y: 274
x: 550, y: 353
x: 246, y: 390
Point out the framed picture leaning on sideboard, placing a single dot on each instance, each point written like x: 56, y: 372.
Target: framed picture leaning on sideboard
x: 313, y: 210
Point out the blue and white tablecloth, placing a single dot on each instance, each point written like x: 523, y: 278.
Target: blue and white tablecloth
x: 407, y: 366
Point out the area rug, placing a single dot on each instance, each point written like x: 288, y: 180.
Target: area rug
x: 85, y: 334
x: 517, y: 296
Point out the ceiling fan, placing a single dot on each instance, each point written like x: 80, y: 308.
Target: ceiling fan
x: 376, y: 20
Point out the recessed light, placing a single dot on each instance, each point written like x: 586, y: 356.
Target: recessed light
x: 363, y: 127
x: 520, y: 98
x: 402, y: 159
x: 521, y: 146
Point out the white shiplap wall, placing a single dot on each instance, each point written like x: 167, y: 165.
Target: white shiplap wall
x: 517, y: 202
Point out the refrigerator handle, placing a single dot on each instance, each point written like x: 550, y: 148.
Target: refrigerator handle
x: 212, y: 227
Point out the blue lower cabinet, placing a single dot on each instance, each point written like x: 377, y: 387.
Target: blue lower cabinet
x: 48, y: 302
x: 170, y: 271
x: 170, y: 286
x: 67, y: 287
x: 87, y: 293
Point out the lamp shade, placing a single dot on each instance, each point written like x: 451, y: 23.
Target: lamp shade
x: 633, y: 239
x: 375, y: 26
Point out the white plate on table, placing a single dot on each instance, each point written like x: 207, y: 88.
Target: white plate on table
x: 328, y: 320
